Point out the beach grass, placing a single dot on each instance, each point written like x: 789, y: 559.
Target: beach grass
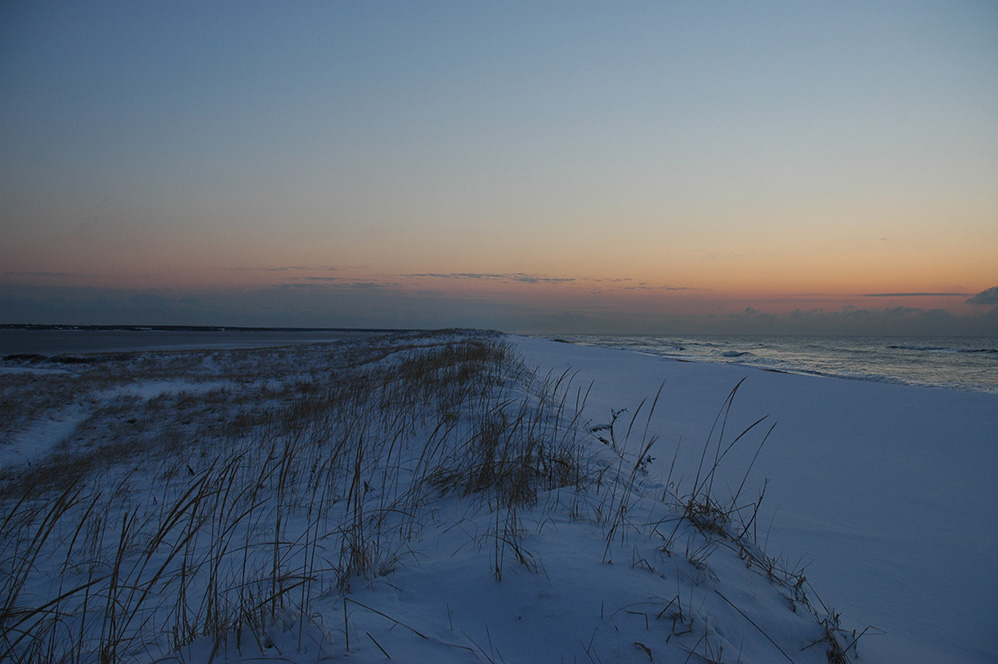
x: 218, y: 496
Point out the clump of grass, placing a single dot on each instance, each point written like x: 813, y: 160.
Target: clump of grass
x: 222, y: 512
x: 218, y: 512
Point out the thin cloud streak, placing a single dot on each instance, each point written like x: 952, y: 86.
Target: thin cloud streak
x: 667, y: 289
x: 488, y: 276
x: 285, y: 268
x: 58, y: 275
x: 319, y: 284
x: 519, y: 277
x: 914, y: 294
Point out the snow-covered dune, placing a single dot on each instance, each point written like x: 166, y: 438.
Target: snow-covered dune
x: 468, y: 497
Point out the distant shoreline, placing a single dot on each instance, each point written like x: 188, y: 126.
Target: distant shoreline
x: 191, y: 328
x: 62, y: 339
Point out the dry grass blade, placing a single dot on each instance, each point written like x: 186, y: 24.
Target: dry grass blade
x: 221, y: 513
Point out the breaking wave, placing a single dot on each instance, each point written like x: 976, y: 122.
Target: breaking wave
x: 943, y: 349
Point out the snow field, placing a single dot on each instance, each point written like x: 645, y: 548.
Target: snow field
x: 884, y: 495
x: 449, y: 497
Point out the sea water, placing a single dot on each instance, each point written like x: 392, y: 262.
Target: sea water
x: 966, y: 363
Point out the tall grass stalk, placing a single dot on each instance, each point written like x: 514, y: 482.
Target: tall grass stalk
x: 219, y: 513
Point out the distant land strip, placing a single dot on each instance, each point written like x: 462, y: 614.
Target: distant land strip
x: 193, y: 328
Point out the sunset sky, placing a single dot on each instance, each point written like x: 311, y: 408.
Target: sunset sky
x: 675, y: 167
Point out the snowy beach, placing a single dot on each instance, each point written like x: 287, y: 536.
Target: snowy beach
x: 888, y: 492
x: 463, y: 497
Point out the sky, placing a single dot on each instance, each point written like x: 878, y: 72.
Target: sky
x: 667, y: 167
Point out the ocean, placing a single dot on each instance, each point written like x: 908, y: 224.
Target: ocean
x: 963, y: 363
